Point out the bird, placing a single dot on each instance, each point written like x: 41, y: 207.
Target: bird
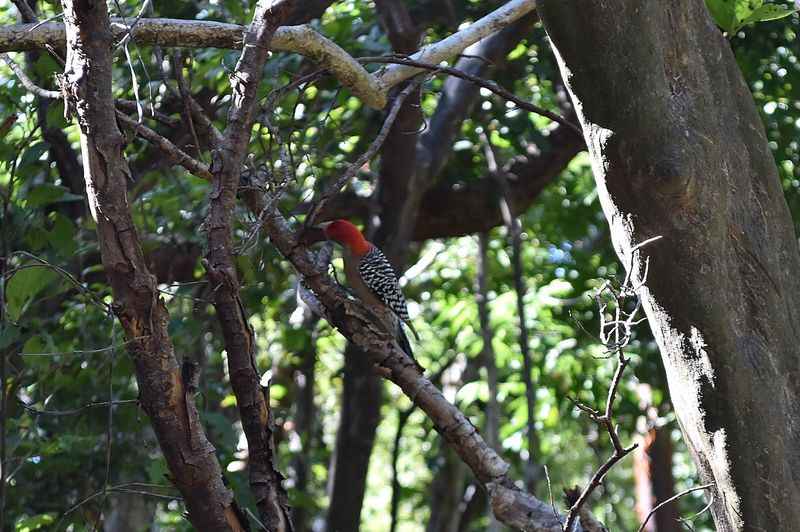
x: 370, y: 276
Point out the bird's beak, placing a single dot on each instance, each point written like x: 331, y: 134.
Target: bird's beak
x: 312, y: 235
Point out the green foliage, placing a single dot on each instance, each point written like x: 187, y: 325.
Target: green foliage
x: 732, y: 15
x: 65, y: 352
x: 23, y: 287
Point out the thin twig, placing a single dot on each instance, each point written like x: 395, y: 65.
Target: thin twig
x: 177, y: 155
x: 550, y: 495
x: 616, y: 333
x: 185, y: 92
x: 109, y: 427
x: 515, y: 233
x: 37, y: 412
x: 671, y: 499
x: 376, y: 144
x: 685, y: 520
x: 121, y: 488
x: 27, y: 82
x: 67, y: 275
x: 481, y: 82
x: 84, y: 351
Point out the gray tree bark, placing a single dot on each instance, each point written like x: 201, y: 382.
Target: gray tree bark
x: 679, y: 151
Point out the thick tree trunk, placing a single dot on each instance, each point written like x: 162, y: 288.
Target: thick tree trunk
x: 678, y: 151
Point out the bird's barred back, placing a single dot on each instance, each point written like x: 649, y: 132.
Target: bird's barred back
x: 378, y: 274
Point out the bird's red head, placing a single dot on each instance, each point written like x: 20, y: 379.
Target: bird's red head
x: 346, y: 234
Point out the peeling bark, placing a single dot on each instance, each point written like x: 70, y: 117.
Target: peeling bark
x: 189, y: 455
x: 227, y: 158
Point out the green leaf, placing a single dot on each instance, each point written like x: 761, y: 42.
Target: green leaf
x: 36, y: 522
x: 23, y: 287
x: 36, y: 238
x: 245, y: 267
x: 769, y: 12
x: 33, y: 153
x: 46, y: 194
x: 744, y: 8
x: 723, y: 12
x: 62, y: 235
x: 8, y: 335
x: 33, y: 345
x: 55, y: 115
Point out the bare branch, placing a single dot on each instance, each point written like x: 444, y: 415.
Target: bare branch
x: 130, y: 106
x: 616, y: 334
x: 453, y: 45
x: 208, y: 34
x: 481, y: 82
x: 511, y: 505
x: 27, y: 82
x: 174, y: 153
x: 226, y: 162
x: 672, y: 499
x: 370, y: 89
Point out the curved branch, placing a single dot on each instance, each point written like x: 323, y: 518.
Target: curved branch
x: 489, y: 85
x: 372, y: 90
x: 209, y: 34
x: 27, y: 82
x: 252, y: 400
x: 176, y: 155
x: 453, y: 45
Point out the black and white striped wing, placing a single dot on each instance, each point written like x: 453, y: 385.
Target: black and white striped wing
x: 378, y: 274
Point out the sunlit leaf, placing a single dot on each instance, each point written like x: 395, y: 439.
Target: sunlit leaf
x: 24, y: 285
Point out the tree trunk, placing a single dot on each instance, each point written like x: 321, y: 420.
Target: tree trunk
x: 679, y: 151
x: 304, y: 417
x: 652, y: 471
x: 361, y: 406
x: 447, y: 490
x: 164, y: 395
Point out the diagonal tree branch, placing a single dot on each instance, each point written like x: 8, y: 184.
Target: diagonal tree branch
x: 207, y: 34
x: 511, y: 505
x: 449, y: 209
x: 143, y: 315
x: 174, y: 153
x: 458, y: 96
x: 393, y: 202
x: 483, y: 83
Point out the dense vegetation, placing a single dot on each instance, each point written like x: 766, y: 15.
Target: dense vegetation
x: 72, y: 459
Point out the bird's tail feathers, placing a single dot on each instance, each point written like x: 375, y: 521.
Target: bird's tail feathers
x: 405, y: 345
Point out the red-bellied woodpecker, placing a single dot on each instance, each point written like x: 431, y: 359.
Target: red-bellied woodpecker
x: 371, y: 276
